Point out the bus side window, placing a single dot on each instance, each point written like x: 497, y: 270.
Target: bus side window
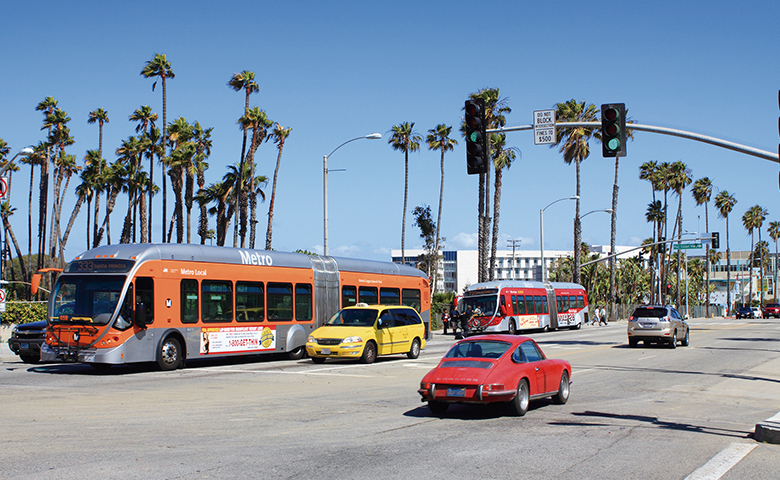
x: 189, y: 301
x: 572, y: 301
x: 280, y: 301
x: 538, y: 303
x: 544, y: 304
x: 250, y: 302
x: 410, y: 297
x: 389, y: 296
x: 580, y: 301
x: 348, y: 296
x: 216, y: 300
x: 303, y: 301
x: 520, y: 305
x: 368, y: 295
x: 144, y: 294
x: 529, y: 304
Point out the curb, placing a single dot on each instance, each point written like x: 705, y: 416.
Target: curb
x: 769, y: 430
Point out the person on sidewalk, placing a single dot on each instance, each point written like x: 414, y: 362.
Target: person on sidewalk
x: 603, y: 316
x: 595, y: 317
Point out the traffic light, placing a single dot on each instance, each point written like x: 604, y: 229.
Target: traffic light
x: 715, y: 240
x: 613, y: 130
x: 476, y: 137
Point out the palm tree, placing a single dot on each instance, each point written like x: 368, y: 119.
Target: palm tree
x: 243, y: 81
x: 280, y: 136
x: 495, y: 110
x: 774, y: 233
x: 754, y: 219
x: 99, y: 116
x: 702, y: 192
x: 84, y: 191
x: 655, y: 214
x: 6, y: 210
x: 406, y: 140
x: 439, y: 139
x: 145, y: 119
x: 680, y: 178
x: 38, y: 157
x: 47, y: 106
x: 574, y: 147
x: 258, y: 121
x: 113, y: 180
x: 725, y: 204
x: 202, y: 140
x: 502, y: 158
x: 159, y: 66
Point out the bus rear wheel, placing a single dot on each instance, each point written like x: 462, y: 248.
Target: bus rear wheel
x: 169, y: 356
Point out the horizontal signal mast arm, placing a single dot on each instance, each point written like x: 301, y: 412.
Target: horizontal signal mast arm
x: 667, y: 131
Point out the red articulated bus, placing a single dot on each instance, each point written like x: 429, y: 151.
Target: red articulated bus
x: 169, y: 303
x: 511, y: 306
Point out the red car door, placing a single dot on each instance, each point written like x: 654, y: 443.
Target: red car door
x: 532, y: 356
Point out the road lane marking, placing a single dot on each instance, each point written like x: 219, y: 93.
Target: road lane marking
x: 722, y: 462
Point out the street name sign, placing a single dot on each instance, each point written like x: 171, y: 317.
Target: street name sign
x: 686, y: 246
x: 544, y: 127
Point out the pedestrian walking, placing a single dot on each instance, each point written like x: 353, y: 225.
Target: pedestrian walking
x: 603, y: 316
x: 595, y: 317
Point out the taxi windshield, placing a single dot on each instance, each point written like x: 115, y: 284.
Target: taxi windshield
x: 358, y: 317
x: 86, y: 299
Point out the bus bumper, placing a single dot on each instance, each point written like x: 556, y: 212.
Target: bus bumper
x: 82, y: 355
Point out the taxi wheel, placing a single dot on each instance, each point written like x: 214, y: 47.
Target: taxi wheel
x: 522, y: 399
x: 369, y: 353
x: 415, y: 351
x: 318, y: 360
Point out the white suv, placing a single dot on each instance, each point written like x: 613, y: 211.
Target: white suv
x: 657, y: 324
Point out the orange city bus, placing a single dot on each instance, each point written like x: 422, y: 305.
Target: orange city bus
x: 510, y: 306
x: 168, y: 303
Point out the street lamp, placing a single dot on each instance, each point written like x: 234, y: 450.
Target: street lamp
x: 606, y: 210
x: 541, y: 231
x: 373, y: 136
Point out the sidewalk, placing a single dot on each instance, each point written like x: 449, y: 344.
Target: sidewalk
x: 6, y: 355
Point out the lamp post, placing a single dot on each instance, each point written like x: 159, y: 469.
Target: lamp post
x: 606, y: 210
x: 373, y: 136
x: 541, y: 231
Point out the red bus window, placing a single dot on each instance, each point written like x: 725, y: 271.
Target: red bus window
x: 544, y: 304
x: 572, y: 301
x: 538, y: 303
x: 529, y: 304
x: 580, y: 301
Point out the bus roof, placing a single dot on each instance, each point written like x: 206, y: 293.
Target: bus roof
x: 523, y: 284
x: 141, y: 252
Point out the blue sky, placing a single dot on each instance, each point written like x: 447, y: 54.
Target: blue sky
x: 337, y: 70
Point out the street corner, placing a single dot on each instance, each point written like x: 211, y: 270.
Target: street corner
x: 769, y: 430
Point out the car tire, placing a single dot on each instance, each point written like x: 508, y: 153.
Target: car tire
x: 169, y: 354
x: 563, y: 390
x: 687, y: 340
x: 438, y: 408
x: 369, y: 353
x: 27, y: 358
x: 673, y: 340
x: 414, y: 352
x: 512, y: 328
x: 633, y: 342
x: 318, y: 360
x: 520, y: 403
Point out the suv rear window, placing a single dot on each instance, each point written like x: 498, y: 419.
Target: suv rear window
x: 650, y: 312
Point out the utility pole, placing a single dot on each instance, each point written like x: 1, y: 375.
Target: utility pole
x: 513, y: 242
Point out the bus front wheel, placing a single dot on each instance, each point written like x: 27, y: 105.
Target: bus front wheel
x: 169, y: 357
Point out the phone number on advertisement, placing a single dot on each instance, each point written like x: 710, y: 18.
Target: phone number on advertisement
x: 243, y: 342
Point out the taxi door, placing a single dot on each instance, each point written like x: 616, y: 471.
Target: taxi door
x: 402, y: 332
x: 385, y: 327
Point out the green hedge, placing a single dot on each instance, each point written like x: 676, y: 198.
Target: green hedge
x: 23, y: 312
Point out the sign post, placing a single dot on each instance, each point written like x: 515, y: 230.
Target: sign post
x: 544, y: 127
x: 2, y: 300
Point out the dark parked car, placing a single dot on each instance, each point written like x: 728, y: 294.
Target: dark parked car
x: 744, y: 312
x: 26, y: 340
x: 771, y: 310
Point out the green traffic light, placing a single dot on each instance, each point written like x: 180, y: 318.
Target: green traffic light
x: 613, y: 144
x: 474, y: 137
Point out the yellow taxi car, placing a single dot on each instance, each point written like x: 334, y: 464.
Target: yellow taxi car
x: 365, y: 331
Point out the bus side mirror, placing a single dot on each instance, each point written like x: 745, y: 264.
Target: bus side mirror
x: 139, y: 319
x: 35, y: 283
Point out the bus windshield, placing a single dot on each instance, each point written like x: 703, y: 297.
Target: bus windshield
x: 485, y: 303
x: 86, y: 299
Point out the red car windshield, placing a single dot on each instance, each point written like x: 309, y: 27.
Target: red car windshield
x: 478, y: 349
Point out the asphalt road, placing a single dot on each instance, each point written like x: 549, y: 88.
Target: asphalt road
x: 650, y: 413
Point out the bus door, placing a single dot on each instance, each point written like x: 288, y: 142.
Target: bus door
x: 327, y: 296
x: 144, y: 300
x: 552, y: 305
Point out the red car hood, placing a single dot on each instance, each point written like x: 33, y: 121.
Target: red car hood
x: 461, y: 372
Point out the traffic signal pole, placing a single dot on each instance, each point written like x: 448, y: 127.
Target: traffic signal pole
x: 771, y: 156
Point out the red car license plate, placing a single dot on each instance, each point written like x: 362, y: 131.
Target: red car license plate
x: 456, y: 392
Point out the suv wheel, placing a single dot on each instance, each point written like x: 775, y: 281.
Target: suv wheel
x: 673, y: 341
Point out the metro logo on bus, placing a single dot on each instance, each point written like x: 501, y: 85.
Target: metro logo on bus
x: 254, y: 258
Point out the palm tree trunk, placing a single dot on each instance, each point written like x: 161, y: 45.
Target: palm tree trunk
x: 728, y: 269
x: 72, y: 220
x: 269, y: 231
x: 403, y: 217
x: 10, y: 232
x: 496, y: 209
x: 480, y: 226
x: 577, y: 230
x: 612, y: 235
x: 438, y: 227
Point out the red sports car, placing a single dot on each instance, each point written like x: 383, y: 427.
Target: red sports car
x: 495, y: 368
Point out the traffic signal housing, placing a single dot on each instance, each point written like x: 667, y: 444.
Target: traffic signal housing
x: 476, y: 137
x: 715, y: 240
x: 613, y: 130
